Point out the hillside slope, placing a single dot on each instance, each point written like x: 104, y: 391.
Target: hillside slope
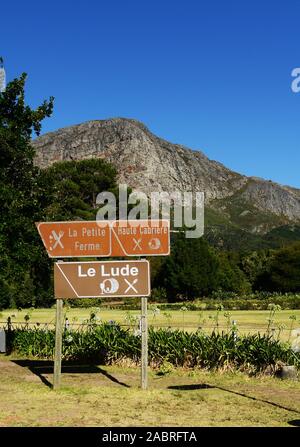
x: 149, y: 163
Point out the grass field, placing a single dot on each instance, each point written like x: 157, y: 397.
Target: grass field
x: 247, y: 321
x: 110, y: 396
x: 95, y: 395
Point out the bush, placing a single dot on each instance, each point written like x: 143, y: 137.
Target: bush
x: 109, y: 343
x: 236, y: 304
x: 158, y: 295
x: 86, y: 302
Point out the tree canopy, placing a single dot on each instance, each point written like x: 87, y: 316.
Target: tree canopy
x: 18, y: 199
x: 282, y: 274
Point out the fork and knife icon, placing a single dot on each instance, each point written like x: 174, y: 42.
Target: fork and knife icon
x: 56, y: 238
x: 137, y: 245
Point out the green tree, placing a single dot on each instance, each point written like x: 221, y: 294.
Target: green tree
x: 191, y: 269
x: 282, y: 273
x: 230, y: 278
x: 19, y: 250
x: 68, y: 189
x: 255, y: 264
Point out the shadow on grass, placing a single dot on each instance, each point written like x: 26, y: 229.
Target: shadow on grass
x: 294, y: 423
x: 205, y: 385
x: 41, y: 367
x: 201, y: 386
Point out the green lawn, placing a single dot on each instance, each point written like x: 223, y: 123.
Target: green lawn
x: 247, y: 321
x: 111, y: 396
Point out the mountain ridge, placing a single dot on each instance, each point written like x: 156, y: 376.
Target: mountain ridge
x: 149, y: 163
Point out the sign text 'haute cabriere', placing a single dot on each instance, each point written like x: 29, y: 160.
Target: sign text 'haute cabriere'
x: 106, y: 238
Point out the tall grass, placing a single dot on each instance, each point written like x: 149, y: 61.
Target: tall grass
x: 108, y: 343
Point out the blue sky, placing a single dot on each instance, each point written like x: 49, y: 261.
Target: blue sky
x: 212, y: 75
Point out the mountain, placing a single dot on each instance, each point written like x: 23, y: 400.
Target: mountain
x: 149, y: 163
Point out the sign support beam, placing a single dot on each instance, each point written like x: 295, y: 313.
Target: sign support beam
x: 58, y: 344
x: 144, y: 356
x: 119, y: 238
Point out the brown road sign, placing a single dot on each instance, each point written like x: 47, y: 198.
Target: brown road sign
x: 101, y: 279
x: 106, y: 238
x: 76, y: 239
x: 140, y: 237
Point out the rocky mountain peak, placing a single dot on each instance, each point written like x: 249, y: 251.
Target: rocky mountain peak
x: 149, y: 163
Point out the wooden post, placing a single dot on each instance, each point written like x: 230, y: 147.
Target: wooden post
x: 144, y: 357
x: 8, y: 338
x: 9, y: 324
x: 58, y: 344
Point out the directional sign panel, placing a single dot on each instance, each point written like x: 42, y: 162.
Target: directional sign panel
x: 106, y: 238
x: 76, y: 239
x: 101, y: 279
x: 140, y: 237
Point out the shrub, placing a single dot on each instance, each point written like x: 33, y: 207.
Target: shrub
x: 259, y: 301
x: 108, y: 343
x: 158, y: 295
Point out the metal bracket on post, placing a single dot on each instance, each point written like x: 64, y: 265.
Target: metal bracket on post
x: 144, y: 356
x: 58, y: 344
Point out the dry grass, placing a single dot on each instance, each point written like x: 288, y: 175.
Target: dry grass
x: 110, y: 396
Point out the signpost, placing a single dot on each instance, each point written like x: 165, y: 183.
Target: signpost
x: 128, y: 278
x: 76, y: 239
x: 101, y: 279
x: 121, y: 238
x: 140, y: 238
x: 144, y: 353
x: 58, y: 344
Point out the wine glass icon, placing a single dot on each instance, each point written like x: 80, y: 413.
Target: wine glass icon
x: 154, y: 243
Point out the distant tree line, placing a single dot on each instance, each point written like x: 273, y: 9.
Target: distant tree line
x: 68, y: 190
x: 195, y: 269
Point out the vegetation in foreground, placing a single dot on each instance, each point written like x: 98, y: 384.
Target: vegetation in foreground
x: 109, y: 344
